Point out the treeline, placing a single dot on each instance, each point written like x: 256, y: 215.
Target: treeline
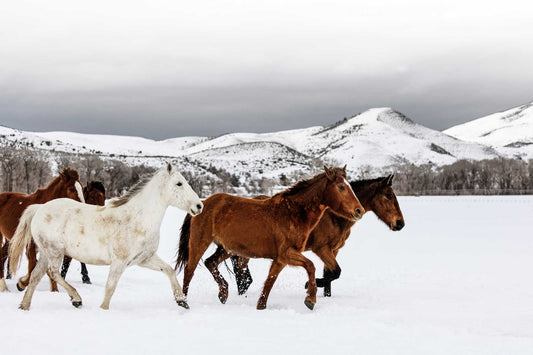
x: 25, y: 170
x: 484, y: 177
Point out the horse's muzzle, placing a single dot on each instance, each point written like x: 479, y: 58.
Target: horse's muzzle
x: 358, y: 214
x: 399, y: 225
x: 196, y: 210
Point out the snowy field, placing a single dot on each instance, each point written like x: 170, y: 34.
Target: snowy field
x: 456, y: 280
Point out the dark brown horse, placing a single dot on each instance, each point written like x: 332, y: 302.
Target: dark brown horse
x: 276, y: 228
x: 331, y: 232
x: 12, y: 204
x: 94, y: 194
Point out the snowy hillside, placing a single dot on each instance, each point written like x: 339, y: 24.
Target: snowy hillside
x: 378, y: 138
x: 511, y: 131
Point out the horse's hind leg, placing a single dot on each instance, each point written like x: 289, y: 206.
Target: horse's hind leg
x: 275, y: 269
x: 115, y: 271
x: 36, y: 276
x: 85, y: 274
x: 157, y: 264
x: 3, y: 257
x: 66, y: 264
x: 212, y: 265
x: 196, y: 250
x: 243, y: 277
x: 54, y: 274
x: 31, y: 253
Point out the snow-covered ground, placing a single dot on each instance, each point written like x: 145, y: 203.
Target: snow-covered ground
x: 456, y: 280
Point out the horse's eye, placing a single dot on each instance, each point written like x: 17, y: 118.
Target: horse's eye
x: 179, y: 184
x: 341, y: 187
x: 389, y: 197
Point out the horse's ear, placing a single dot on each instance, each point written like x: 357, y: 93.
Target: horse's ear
x: 388, y: 180
x: 329, y: 173
x: 344, y: 167
x: 169, y: 168
x: 63, y: 176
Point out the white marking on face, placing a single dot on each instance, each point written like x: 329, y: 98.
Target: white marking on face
x: 350, y: 186
x: 77, y: 185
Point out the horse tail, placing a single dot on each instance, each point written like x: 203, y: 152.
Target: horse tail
x: 183, y: 248
x: 22, y: 237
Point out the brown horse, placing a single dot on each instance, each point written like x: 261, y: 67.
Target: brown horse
x: 276, y: 228
x: 330, y: 234
x: 94, y: 194
x: 12, y: 204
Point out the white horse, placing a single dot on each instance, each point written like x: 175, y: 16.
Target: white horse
x: 121, y: 234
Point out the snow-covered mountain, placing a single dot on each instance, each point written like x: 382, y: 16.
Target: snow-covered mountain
x: 378, y: 138
x: 510, y: 132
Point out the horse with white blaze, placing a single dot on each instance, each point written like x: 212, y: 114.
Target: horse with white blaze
x: 121, y: 234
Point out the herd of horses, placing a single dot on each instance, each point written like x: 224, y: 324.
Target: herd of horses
x: 64, y: 221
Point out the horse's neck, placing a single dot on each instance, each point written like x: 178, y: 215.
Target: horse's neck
x: 310, y: 201
x: 50, y: 192
x: 147, y: 206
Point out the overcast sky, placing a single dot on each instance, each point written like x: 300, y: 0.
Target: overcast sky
x: 163, y: 69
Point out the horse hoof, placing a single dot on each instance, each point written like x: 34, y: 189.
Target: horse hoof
x: 222, y: 298
x: 76, y: 304
x: 8, y: 277
x: 309, y: 304
x: 87, y: 281
x: 183, y: 304
x: 24, y: 308
x: 260, y: 306
x: 20, y: 288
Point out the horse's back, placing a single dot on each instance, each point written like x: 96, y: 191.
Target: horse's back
x: 242, y: 225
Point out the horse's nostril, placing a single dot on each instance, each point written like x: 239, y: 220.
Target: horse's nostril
x: 199, y: 206
x: 358, y: 212
x: 400, y: 224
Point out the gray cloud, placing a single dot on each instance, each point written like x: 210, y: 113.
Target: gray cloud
x: 211, y: 69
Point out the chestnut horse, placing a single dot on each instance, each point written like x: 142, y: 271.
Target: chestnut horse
x: 276, y: 228
x: 330, y: 234
x: 13, y: 204
x: 94, y: 194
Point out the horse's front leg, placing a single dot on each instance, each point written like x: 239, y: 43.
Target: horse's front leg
x: 275, y: 269
x: 115, y: 271
x: 156, y: 263
x: 295, y: 258
x: 332, y: 270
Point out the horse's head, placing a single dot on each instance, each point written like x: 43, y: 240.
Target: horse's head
x: 339, y: 196
x: 385, y: 204
x: 70, y: 186
x: 179, y: 193
x: 94, y: 193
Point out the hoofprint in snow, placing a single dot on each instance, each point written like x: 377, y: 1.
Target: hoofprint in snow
x: 455, y: 280
x: 379, y: 137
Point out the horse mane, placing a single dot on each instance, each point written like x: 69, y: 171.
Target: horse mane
x: 119, y: 201
x: 98, y: 185
x: 305, y: 184
x: 363, y: 183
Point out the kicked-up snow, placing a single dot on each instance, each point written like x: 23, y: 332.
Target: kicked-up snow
x: 455, y: 280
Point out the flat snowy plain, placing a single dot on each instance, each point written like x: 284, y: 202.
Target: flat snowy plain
x: 456, y: 280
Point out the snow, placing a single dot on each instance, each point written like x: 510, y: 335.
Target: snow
x: 455, y: 280
x: 501, y: 129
